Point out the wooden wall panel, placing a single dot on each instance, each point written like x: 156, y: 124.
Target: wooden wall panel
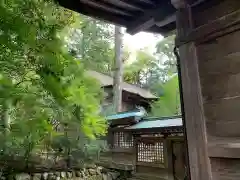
x: 217, y: 11
x: 221, y: 86
x: 220, y: 47
x: 217, y: 70
x: 225, y: 169
x: 123, y: 158
x: 224, y: 64
x: 220, y: 56
x: 128, y: 106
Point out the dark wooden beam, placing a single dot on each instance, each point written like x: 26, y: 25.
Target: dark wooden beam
x: 213, y: 29
x: 147, y: 2
x: 166, y: 21
x: 106, y: 7
x: 149, y: 18
x: 95, y: 12
x: 197, y: 2
x: 125, y: 4
x: 144, y: 25
x: 192, y: 3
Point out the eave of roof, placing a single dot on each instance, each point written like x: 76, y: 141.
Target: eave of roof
x: 128, y: 13
x: 125, y: 115
x: 157, y: 123
x: 107, y: 81
x: 156, y: 16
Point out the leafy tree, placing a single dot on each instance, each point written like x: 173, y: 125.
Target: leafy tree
x: 40, y: 82
x: 145, y: 72
x: 92, y: 41
x: 169, y: 103
x: 164, y: 51
x: 157, y: 73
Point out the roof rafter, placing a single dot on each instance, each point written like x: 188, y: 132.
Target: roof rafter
x: 125, y: 4
x: 165, y: 21
x: 150, y: 17
x: 147, y: 1
x: 94, y: 11
x: 106, y: 7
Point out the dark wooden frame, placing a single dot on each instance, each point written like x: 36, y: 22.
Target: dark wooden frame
x: 155, y: 139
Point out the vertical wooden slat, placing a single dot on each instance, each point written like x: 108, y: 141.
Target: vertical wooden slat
x: 169, y: 159
x: 193, y: 104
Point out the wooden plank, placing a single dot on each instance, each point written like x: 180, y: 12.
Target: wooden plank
x: 223, y: 151
x: 193, y: 104
x: 169, y: 159
x: 147, y: 1
x: 123, y: 150
x: 165, y: 21
x: 220, y: 86
x: 217, y: 10
x: 139, y: 3
x: 141, y: 25
x: 227, y: 64
x: 201, y: 33
x: 225, y: 169
x: 225, y: 109
x: 221, y: 128
x: 222, y: 117
x: 211, y: 37
x: 106, y: 7
x: 125, y: 4
x: 217, y: 50
x: 224, y: 147
x: 95, y: 12
x: 179, y: 160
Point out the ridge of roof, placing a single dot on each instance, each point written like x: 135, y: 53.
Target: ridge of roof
x: 106, y: 80
x: 157, y: 123
x: 161, y: 118
x: 126, y: 114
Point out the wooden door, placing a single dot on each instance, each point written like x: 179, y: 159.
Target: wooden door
x: 151, y: 156
x: 178, y: 160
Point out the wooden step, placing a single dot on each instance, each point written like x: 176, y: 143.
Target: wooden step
x: 224, y: 147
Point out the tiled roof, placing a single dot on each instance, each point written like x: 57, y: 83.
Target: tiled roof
x: 106, y: 80
x: 157, y: 123
x: 125, y: 115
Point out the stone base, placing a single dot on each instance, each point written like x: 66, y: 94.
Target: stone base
x: 93, y: 173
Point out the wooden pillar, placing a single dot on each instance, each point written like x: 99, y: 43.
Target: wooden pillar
x: 209, y: 47
x: 194, y: 120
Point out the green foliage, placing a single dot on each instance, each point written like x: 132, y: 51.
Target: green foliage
x: 164, y: 51
x: 145, y: 72
x: 40, y: 82
x: 154, y: 72
x: 169, y: 103
x: 92, y: 41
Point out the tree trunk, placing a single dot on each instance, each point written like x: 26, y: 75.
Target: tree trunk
x: 117, y: 98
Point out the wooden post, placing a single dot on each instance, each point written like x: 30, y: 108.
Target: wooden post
x: 169, y: 152
x: 194, y: 121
